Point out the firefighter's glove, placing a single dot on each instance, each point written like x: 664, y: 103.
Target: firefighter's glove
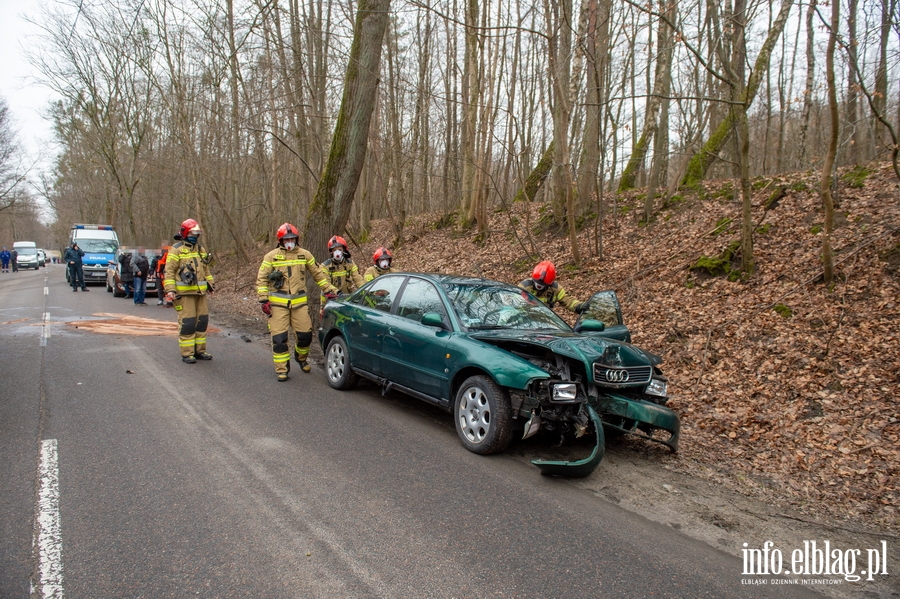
x: 170, y: 296
x: 332, y: 295
x: 266, y: 307
x: 582, y: 307
x: 209, y: 287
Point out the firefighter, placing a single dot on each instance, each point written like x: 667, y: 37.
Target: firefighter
x: 544, y: 286
x: 340, y: 269
x: 382, y: 259
x: 187, y: 282
x: 281, y: 289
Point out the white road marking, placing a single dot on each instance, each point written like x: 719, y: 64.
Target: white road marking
x: 46, y: 291
x: 45, y: 329
x: 49, y: 533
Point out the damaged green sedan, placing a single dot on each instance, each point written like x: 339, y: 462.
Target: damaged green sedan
x: 500, y: 361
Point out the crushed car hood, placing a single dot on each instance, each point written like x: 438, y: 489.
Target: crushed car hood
x: 588, y: 349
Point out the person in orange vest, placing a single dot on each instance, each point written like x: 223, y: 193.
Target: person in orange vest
x: 158, y: 269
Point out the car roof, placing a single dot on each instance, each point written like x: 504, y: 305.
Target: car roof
x: 451, y: 279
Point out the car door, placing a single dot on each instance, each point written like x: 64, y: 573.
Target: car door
x: 604, y: 306
x: 414, y: 354
x: 366, y: 325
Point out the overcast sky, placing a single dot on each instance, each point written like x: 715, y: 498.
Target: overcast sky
x: 27, y: 100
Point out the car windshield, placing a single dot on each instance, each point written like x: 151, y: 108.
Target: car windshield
x: 26, y: 251
x: 495, y: 307
x: 98, y: 246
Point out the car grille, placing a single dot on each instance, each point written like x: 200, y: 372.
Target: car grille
x: 620, y: 376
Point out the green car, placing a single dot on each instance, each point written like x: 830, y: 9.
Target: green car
x: 500, y: 361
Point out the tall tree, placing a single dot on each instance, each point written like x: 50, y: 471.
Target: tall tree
x: 702, y: 160
x: 330, y: 208
x: 828, y: 166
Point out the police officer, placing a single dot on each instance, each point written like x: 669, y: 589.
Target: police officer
x: 340, y: 269
x: 382, y: 259
x: 544, y: 286
x: 187, y: 282
x: 281, y: 289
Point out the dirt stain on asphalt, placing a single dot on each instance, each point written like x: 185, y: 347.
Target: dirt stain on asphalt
x: 14, y: 321
x: 125, y: 324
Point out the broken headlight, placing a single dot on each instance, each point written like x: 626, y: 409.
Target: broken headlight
x: 657, y: 387
x: 564, y: 393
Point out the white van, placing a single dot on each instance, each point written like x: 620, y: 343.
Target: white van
x: 27, y: 254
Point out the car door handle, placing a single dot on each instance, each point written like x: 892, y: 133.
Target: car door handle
x: 390, y: 331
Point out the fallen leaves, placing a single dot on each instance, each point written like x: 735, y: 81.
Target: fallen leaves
x: 799, y: 410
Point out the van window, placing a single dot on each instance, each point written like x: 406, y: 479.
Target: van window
x: 98, y: 246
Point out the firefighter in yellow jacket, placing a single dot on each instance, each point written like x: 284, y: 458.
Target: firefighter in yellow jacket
x: 544, y: 286
x: 187, y: 282
x: 382, y: 259
x: 281, y: 289
x: 340, y: 269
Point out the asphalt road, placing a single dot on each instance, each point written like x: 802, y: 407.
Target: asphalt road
x: 215, y: 480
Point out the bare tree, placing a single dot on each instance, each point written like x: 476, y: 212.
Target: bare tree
x: 331, y: 205
x: 828, y: 166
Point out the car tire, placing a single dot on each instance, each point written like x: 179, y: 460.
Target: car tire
x: 117, y: 293
x: 338, y: 369
x: 482, y: 413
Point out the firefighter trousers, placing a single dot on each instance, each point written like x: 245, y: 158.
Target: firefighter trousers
x: 193, y: 318
x: 280, y: 325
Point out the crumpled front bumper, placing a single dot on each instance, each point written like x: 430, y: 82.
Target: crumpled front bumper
x: 578, y: 468
x: 641, y: 418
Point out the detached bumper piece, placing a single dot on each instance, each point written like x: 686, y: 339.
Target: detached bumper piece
x: 641, y: 418
x: 579, y: 468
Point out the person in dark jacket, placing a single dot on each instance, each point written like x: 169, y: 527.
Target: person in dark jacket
x: 126, y: 274
x: 14, y: 256
x: 141, y: 269
x: 4, y: 259
x: 73, y: 257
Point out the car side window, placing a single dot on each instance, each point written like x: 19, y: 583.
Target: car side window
x: 381, y: 293
x: 420, y: 297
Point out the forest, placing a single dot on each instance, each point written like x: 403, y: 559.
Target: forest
x: 330, y: 114
x: 729, y: 168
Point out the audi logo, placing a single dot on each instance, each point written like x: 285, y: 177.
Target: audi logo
x: 617, y: 376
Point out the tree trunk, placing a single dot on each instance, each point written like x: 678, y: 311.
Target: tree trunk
x: 701, y: 161
x: 828, y: 167
x: 330, y: 208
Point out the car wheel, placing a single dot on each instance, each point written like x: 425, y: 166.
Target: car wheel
x: 482, y: 414
x: 118, y: 292
x: 338, y: 370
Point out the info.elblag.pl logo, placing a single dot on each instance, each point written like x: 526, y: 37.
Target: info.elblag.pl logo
x: 814, y: 559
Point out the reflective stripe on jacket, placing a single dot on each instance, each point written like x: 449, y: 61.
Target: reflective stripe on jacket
x: 373, y: 272
x: 345, y: 275
x: 186, y: 270
x: 293, y: 265
x: 552, y: 295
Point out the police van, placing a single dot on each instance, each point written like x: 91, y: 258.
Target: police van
x: 99, y: 243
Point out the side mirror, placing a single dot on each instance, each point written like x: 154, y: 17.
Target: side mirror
x: 589, y: 325
x: 433, y: 319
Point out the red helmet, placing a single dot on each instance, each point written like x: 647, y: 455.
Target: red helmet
x: 287, y: 230
x: 544, y: 273
x: 337, y: 241
x: 189, y: 226
x: 380, y: 253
